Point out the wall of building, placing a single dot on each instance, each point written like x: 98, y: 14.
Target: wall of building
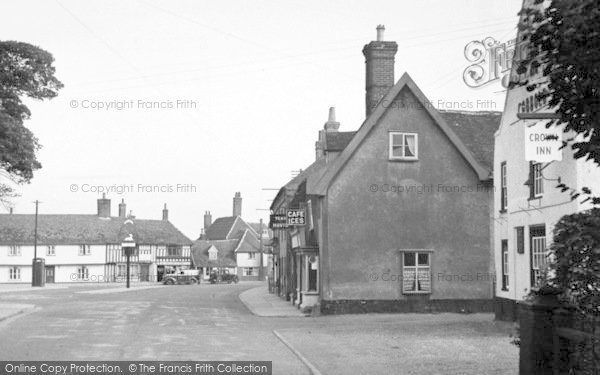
x: 364, y: 226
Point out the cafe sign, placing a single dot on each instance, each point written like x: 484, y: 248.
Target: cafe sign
x: 291, y: 218
x: 296, y: 217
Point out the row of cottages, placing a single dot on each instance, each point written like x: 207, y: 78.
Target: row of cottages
x: 398, y: 213
x: 527, y: 204
x: 231, y: 244
x: 87, y: 248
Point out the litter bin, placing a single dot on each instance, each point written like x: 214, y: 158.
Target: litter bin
x: 38, y: 272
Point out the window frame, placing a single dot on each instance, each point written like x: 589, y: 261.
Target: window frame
x: 416, y: 268
x: 537, y: 258
x: 85, y: 250
x: 536, y: 180
x: 391, y: 144
x: 503, y: 187
x: 14, y: 273
x: 83, y: 273
x: 248, y: 271
x: 251, y: 256
x: 504, y: 264
x: 50, y: 250
x: 14, y: 251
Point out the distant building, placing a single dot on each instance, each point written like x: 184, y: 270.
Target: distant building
x: 87, y: 248
x: 233, y: 244
x: 398, y: 213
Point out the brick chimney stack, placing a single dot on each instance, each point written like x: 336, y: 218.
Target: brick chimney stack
x: 237, y: 204
x: 165, y: 213
x: 379, y: 59
x: 207, y: 220
x: 330, y: 126
x: 104, y: 206
x: 122, y: 209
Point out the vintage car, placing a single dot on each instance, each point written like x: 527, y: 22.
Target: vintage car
x: 223, y: 277
x: 182, y: 277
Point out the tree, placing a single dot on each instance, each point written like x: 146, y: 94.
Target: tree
x: 25, y: 70
x: 563, y: 39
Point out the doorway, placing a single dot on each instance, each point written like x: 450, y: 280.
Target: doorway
x: 49, y: 274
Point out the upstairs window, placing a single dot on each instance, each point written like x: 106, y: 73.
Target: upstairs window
x: 174, y: 250
x: 251, y: 255
x: 403, y: 146
x: 50, y: 250
x: 14, y: 251
x: 416, y: 273
x: 536, y: 180
x: 85, y: 250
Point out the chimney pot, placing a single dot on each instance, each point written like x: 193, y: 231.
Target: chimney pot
x: 207, y: 221
x: 331, y: 125
x: 237, y: 204
x: 104, y: 206
x: 165, y: 213
x: 122, y: 209
x: 380, y: 31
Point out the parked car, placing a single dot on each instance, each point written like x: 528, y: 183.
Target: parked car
x: 223, y: 277
x: 182, y: 277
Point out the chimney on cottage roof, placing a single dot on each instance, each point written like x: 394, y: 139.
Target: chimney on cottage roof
x: 207, y: 220
x: 379, y: 60
x: 237, y: 204
x: 122, y: 209
x: 165, y: 213
x: 330, y: 126
x: 104, y: 206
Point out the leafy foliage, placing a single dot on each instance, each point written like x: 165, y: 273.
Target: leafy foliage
x: 25, y: 70
x: 564, y: 40
x: 576, y: 260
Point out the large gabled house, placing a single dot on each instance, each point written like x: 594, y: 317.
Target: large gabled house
x: 87, y: 248
x: 398, y: 213
x: 231, y: 243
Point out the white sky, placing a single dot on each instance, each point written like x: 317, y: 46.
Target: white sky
x: 262, y: 74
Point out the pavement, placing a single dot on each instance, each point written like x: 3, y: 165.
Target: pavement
x: 210, y: 322
x: 262, y: 303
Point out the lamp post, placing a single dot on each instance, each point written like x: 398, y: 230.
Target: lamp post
x: 128, y: 244
x: 37, y: 266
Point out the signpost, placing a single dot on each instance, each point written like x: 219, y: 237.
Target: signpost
x: 128, y: 244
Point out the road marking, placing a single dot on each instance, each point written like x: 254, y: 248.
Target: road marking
x: 311, y: 368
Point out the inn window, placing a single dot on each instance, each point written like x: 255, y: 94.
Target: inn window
x: 403, y: 146
x: 520, y: 240
x: 14, y: 251
x: 14, y: 273
x: 536, y: 183
x: 83, y: 273
x: 504, y: 261
x: 50, y: 250
x: 537, y: 237
x: 503, y: 187
x: 251, y: 255
x: 416, y: 272
x: 248, y: 271
x: 85, y: 250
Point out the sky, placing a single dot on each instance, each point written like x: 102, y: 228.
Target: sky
x: 187, y: 102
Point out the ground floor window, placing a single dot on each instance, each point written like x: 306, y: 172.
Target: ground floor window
x: 416, y: 272
x: 14, y: 273
x: 537, y: 237
x: 83, y: 273
x: 249, y: 271
x: 122, y: 270
x: 504, y: 264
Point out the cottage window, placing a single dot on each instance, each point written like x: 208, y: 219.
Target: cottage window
x: 504, y: 261
x: 416, y: 273
x: 212, y: 254
x: 403, y: 146
x: 503, y: 188
x: 85, y: 250
x: 50, y: 250
x: 248, y: 271
x: 83, y: 273
x: 14, y: 273
x: 14, y: 251
x: 251, y: 255
x: 173, y: 250
x: 537, y: 236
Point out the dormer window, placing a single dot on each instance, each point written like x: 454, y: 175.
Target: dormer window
x: 50, y: 250
x: 14, y: 251
x: 403, y: 146
x: 212, y: 254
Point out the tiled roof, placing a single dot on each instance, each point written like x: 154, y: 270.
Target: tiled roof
x: 248, y: 243
x: 18, y: 229
x: 337, y: 141
x: 225, y: 256
x: 220, y: 228
x: 476, y: 130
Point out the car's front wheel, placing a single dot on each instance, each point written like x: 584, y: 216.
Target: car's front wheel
x: 169, y: 282
x: 193, y: 281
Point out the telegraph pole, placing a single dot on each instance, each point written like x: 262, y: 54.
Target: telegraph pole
x: 261, y: 272
x: 37, y: 265
x: 35, y: 230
